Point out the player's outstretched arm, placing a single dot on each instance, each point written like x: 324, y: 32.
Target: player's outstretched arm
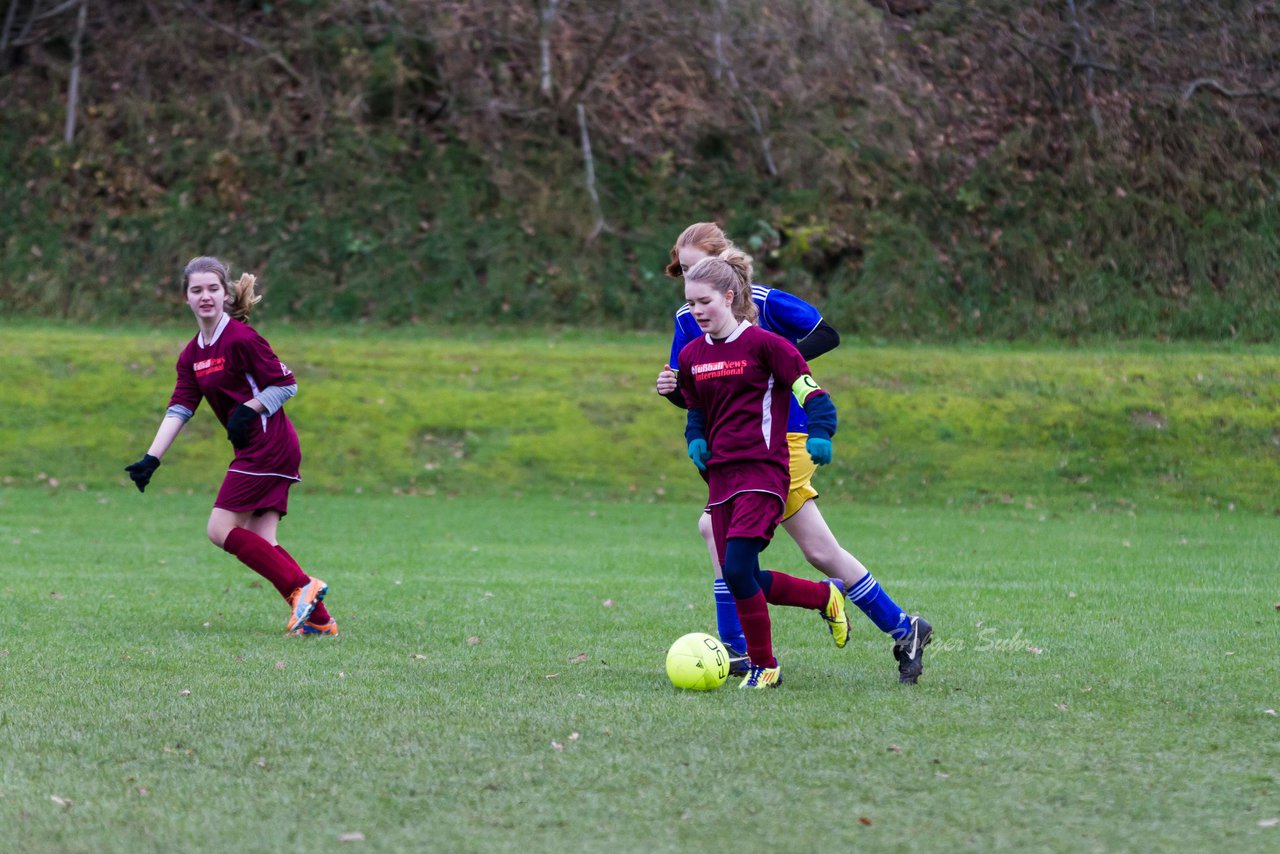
x: 141, y: 471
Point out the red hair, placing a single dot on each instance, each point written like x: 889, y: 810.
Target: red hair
x: 706, y: 236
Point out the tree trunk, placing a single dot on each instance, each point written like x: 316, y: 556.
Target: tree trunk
x: 4, y: 34
x: 589, y: 167
x: 546, y: 18
x: 73, y: 86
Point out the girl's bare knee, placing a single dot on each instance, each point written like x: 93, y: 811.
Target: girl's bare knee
x: 704, y: 527
x: 820, y: 558
x: 218, y: 531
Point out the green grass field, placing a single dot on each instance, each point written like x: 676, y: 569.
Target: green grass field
x: 562, y: 412
x: 1100, y: 681
x: 1091, y: 531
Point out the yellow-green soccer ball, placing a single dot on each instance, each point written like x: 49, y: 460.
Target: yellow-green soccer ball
x: 698, y: 662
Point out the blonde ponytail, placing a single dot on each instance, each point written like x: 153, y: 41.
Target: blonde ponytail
x: 243, y: 298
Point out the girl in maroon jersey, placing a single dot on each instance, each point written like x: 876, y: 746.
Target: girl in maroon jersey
x: 801, y: 324
x: 737, y: 380
x: 235, y: 370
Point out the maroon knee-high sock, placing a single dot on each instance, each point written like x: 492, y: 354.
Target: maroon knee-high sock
x: 321, y: 613
x: 260, y: 556
x: 753, y: 613
x: 797, y: 592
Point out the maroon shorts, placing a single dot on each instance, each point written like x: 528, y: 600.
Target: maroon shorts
x: 750, y: 515
x: 254, y: 493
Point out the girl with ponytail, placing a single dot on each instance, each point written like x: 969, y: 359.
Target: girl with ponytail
x: 231, y: 366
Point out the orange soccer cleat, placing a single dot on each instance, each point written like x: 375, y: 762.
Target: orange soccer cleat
x: 309, y: 629
x: 304, y: 601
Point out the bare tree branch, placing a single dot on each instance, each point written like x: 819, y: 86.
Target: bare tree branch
x: 589, y: 167
x: 619, y: 63
x: 57, y: 10
x: 1272, y: 92
x: 26, y: 28
x: 73, y: 86
x: 4, y: 34
x: 717, y: 42
x: 1094, y: 66
x: 546, y: 18
x: 589, y: 74
x: 757, y: 124
x: 274, y: 55
x: 24, y: 37
x: 1083, y: 59
x: 1008, y: 24
x: 1039, y: 74
x: 752, y: 114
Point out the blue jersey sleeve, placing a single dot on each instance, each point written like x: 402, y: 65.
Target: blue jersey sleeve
x: 785, y: 314
x: 686, y: 329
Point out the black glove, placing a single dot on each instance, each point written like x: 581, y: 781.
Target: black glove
x: 240, y: 426
x: 142, y: 470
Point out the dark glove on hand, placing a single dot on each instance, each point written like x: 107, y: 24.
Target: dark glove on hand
x: 240, y: 426
x: 142, y: 470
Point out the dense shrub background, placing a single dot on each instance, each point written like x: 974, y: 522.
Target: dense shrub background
x: 930, y: 170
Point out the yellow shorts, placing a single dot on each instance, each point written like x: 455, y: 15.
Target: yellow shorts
x: 802, y: 469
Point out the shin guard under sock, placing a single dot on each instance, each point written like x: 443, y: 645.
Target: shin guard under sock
x: 260, y: 556
x: 753, y: 612
x: 786, y: 589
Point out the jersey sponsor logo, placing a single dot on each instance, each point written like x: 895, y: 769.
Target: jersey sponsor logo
x: 208, y: 366
x: 722, y: 368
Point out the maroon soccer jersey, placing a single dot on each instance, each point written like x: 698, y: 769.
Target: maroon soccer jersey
x: 743, y: 384
x: 228, y: 371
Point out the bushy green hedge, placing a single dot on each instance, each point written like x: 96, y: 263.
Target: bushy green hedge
x: 939, y: 181
x: 389, y: 238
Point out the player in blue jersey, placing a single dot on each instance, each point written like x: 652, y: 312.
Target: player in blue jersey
x: 802, y: 325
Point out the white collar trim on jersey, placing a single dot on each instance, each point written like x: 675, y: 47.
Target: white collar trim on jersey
x: 733, y: 336
x: 217, y: 332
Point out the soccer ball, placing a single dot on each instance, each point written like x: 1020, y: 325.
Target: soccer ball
x: 698, y: 662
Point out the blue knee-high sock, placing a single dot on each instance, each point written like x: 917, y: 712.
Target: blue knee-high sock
x: 868, y: 595
x: 727, y: 623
